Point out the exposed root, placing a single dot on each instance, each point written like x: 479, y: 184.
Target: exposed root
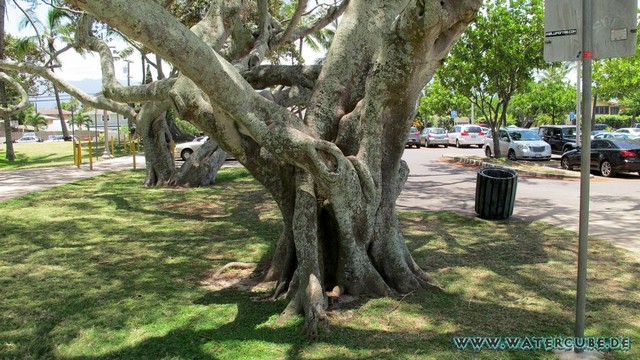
x: 280, y: 289
x: 235, y: 265
x: 399, y: 302
x: 315, y: 320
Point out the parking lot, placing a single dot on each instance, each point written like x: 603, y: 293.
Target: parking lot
x: 435, y: 184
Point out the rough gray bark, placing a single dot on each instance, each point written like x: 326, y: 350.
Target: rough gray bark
x: 201, y: 168
x: 9, y: 152
x: 335, y: 173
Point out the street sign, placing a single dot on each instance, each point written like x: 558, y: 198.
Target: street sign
x: 454, y: 114
x: 562, y: 30
x: 614, y: 29
x: 572, y: 115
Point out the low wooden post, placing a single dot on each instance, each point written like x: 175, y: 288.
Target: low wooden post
x: 79, y: 152
x: 133, y: 152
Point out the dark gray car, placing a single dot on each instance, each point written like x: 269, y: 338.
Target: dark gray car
x: 413, y: 138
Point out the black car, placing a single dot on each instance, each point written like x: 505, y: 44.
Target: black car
x: 561, y: 137
x: 609, y: 156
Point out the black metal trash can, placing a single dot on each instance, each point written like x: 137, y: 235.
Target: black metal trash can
x: 496, y: 193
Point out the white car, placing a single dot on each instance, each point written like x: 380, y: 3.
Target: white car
x: 55, y: 138
x: 635, y: 132
x: 28, y: 139
x: 519, y: 144
x: 466, y: 135
x: 185, y: 150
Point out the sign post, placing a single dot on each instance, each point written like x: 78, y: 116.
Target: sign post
x: 593, y: 29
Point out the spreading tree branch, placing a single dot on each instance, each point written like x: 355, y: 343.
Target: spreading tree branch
x: 24, y: 97
x: 96, y: 101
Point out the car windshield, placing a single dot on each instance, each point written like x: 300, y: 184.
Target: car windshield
x: 473, y: 129
x: 524, y: 135
x: 437, y: 131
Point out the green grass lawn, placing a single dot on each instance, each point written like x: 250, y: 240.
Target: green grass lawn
x: 106, y: 269
x: 46, y: 154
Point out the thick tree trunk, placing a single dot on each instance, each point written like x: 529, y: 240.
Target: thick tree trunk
x: 153, y: 129
x: 63, y: 124
x: 9, y: 152
x: 336, y: 174
x: 202, y: 167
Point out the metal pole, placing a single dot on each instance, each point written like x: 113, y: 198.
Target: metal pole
x: 118, y: 126
x: 105, y: 122
x: 73, y: 122
x: 585, y: 159
x: 578, y: 139
x: 95, y: 126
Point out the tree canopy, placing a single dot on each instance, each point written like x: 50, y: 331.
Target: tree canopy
x: 618, y: 79
x: 496, y: 57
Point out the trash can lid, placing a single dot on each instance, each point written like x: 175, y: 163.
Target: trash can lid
x: 498, y: 173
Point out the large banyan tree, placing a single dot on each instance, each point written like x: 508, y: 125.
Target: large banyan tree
x: 335, y: 169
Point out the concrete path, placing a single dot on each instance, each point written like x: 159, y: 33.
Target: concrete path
x: 14, y: 183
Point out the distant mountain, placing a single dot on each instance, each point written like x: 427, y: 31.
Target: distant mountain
x: 90, y: 86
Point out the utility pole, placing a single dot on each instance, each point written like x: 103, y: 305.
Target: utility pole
x: 128, y: 71
x: 105, y: 121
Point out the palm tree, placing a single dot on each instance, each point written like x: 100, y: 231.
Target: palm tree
x: 56, y: 27
x: 82, y: 120
x: 36, y: 120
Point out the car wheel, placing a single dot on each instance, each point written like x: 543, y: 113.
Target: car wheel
x: 418, y: 146
x: 186, y: 154
x: 446, y: 146
x: 564, y: 163
x: 479, y: 146
x: 512, y: 155
x: 487, y: 152
x: 457, y: 143
x: 605, y: 169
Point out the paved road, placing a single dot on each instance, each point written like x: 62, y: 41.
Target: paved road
x: 614, y: 206
x: 15, y: 183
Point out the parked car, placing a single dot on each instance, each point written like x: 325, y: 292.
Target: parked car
x: 518, y: 144
x: 466, y: 135
x: 612, y: 135
x: 609, y: 156
x: 55, y: 138
x: 561, y: 137
x: 185, y: 150
x: 635, y: 132
x: 28, y: 139
x: 600, y: 127
x: 413, y: 138
x: 433, y: 137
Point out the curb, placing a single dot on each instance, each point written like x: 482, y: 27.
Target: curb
x: 533, y: 173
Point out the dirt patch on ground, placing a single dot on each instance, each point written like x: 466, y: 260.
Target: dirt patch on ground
x: 248, y: 277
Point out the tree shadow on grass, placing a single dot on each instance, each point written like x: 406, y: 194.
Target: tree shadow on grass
x: 68, y: 291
